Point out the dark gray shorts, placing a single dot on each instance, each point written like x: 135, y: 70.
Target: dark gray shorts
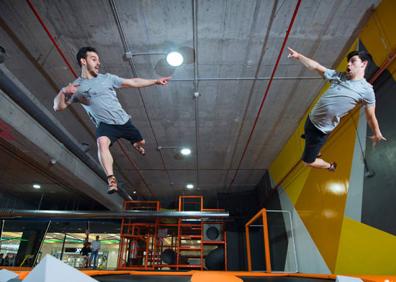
x: 314, y: 141
x: 116, y: 131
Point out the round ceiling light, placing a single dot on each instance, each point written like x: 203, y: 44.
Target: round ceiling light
x: 185, y: 151
x: 190, y: 186
x: 175, y: 59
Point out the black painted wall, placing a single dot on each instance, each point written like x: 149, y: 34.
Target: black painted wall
x: 242, y: 207
x: 379, y: 191
x: 278, y: 236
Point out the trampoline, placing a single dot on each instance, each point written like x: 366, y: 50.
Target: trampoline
x: 171, y: 278
x: 284, y: 279
x: 143, y: 278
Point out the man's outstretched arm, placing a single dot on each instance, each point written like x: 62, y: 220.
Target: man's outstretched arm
x: 141, y: 82
x: 373, y: 123
x: 307, y: 62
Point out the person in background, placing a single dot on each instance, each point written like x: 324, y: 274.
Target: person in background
x: 95, y: 251
x: 85, y: 252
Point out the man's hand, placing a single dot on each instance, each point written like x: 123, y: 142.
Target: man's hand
x: 377, y: 138
x: 307, y: 62
x: 373, y: 123
x: 65, y: 97
x: 163, y: 80
x: 293, y: 54
x: 69, y: 91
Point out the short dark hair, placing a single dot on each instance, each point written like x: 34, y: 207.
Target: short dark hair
x: 363, y: 55
x: 82, y: 53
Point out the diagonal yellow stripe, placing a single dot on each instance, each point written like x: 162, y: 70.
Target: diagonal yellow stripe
x: 321, y: 203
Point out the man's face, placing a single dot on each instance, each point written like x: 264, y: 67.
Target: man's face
x: 92, y: 63
x: 355, y: 66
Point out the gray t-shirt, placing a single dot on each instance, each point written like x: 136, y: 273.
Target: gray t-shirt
x: 342, y: 96
x: 95, y: 246
x: 102, y: 102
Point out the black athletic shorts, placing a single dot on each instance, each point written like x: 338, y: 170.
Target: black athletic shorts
x: 314, y: 141
x: 116, y: 131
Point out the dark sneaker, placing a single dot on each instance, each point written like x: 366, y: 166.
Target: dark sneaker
x: 112, y: 190
x: 332, y: 167
x: 112, y: 184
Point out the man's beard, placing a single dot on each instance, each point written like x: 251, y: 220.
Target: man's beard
x: 93, y: 72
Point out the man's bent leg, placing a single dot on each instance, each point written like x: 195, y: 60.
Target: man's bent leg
x: 106, y: 160
x: 104, y: 155
x: 319, y: 163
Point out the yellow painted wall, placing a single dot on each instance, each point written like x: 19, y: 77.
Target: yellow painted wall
x: 322, y: 201
x: 319, y: 196
x: 363, y: 248
x: 379, y: 35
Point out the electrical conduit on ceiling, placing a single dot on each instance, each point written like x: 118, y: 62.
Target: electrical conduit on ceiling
x: 134, y: 73
x: 266, y: 92
x: 196, y: 83
x: 252, y: 87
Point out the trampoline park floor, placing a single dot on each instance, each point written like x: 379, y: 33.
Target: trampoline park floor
x: 222, y: 276
x: 140, y: 278
x: 210, y: 276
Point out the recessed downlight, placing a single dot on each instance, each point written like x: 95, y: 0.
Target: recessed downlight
x: 190, y: 186
x: 185, y: 151
x: 175, y: 59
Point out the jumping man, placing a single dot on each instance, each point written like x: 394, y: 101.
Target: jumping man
x: 347, y: 90
x: 96, y: 93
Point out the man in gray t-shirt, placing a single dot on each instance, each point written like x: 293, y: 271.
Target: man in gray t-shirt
x: 95, y: 248
x: 347, y: 90
x: 96, y: 93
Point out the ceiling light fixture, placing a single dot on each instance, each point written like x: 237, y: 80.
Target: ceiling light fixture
x: 190, y: 186
x: 36, y: 186
x: 185, y: 151
x: 175, y: 59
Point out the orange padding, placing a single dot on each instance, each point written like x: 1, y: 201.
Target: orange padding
x: 378, y: 278
x: 214, y: 276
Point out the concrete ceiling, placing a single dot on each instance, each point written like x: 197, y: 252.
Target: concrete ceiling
x: 236, y: 43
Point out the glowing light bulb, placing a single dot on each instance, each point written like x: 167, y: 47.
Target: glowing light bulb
x: 175, y: 59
